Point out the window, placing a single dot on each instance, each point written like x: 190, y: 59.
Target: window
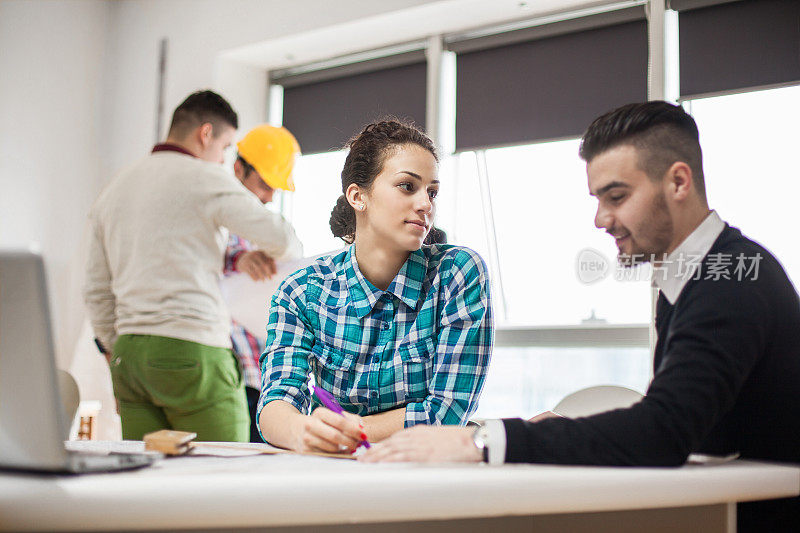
x: 543, y: 220
x: 526, y: 209
x: 750, y: 164
x: 317, y: 186
x: 523, y: 382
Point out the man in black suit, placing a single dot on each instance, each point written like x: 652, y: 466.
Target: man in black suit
x: 727, y: 361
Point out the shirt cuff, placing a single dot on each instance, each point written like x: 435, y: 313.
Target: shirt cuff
x: 496, y: 441
x: 234, y: 259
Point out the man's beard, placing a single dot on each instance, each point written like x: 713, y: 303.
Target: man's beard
x: 656, y: 229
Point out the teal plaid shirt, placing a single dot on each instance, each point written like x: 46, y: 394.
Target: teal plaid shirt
x: 424, y: 343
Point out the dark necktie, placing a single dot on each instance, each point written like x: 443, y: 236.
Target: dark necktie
x: 663, y: 315
x: 663, y: 311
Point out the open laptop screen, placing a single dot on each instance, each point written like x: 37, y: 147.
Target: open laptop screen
x: 33, y: 426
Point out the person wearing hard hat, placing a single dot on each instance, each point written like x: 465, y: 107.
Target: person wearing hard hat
x: 264, y: 163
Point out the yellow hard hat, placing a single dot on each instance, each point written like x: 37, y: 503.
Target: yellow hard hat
x: 271, y: 151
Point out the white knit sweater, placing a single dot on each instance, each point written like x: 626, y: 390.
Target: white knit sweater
x: 157, y: 248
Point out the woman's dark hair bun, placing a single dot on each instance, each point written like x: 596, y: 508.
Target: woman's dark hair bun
x: 343, y: 220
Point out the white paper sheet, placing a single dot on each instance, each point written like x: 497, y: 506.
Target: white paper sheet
x: 105, y: 446
x: 248, y: 300
x: 231, y: 449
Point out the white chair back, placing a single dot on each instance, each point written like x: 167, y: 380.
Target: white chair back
x: 70, y: 395
x: 593, y: 400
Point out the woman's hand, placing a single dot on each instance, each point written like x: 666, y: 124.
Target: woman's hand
x: 422, y: 444
x: 329, y: 432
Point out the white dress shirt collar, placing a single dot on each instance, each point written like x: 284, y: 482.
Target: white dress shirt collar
x: 679, y: 267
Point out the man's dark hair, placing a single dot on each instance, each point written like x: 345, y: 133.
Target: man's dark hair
x: 662, y: 134
x: 247, y: 168
x: 199, y: 108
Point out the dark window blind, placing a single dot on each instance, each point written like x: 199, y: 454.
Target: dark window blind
x: 738, y: 45
x: 548, y: 88
x: 323, y: 115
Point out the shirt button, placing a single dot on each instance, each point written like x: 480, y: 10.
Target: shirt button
x: 373, y: 394
x: 385, y: 326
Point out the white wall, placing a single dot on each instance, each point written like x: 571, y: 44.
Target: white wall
x: 52, y: 58
x: 198, y: 31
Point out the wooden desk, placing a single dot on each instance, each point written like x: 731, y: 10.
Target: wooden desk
x: 267, y: 493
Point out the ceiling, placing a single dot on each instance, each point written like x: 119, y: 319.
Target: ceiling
x: 405, y: 25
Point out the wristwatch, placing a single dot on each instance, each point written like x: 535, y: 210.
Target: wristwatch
x: 480, y: 438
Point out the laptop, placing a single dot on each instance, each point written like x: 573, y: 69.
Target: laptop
x: 33, y: 420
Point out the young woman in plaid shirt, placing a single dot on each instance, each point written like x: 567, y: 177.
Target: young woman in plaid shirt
x: 398, y: 332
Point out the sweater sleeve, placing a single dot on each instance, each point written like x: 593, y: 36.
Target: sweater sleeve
x: 718, y: 332
x: 100, y: 300
x: 232, y: 206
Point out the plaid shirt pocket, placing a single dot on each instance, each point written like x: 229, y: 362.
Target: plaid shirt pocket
x: 417, y: 367
x: 334, y: 370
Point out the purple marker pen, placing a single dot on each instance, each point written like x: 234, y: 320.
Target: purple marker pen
x: 328, y: 401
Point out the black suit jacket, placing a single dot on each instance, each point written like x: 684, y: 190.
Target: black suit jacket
x: 726, y: 379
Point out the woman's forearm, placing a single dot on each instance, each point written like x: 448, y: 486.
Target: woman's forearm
x: 384, y: 425
x: 324, y: 431
x: 279, y: 421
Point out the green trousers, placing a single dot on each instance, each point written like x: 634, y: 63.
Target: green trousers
x: 166, y: 383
